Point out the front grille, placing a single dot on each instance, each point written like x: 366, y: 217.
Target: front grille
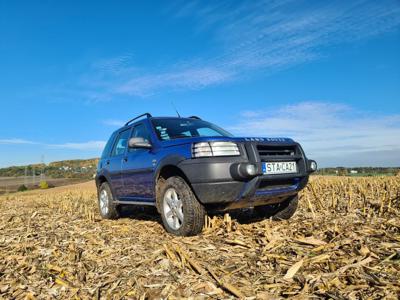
x: 276, y: 151
x: 267, y: 152
x: 280, y: 153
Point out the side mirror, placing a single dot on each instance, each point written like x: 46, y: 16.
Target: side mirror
x: 139, y: 142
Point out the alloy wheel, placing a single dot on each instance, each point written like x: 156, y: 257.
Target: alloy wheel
x: 104, y: 202
x: 173, y: 209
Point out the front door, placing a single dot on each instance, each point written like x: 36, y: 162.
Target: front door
x: 137, y: 169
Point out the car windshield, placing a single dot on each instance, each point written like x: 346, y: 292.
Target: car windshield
x: 170, y: 129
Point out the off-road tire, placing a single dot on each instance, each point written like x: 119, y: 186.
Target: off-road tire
x: 193, y: 210
x: 113, y: 211
x: 280, y: 211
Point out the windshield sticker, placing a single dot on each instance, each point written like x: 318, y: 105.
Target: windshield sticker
x: 163, y: 132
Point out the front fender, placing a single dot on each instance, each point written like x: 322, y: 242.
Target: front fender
x: 171, y: 160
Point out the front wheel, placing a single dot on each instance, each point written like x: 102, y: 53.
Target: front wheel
x: 182, y: 214
x: 280, y: 211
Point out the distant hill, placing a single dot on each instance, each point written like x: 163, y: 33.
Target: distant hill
x: 77, y: 168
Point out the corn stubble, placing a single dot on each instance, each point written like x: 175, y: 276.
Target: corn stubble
x: 343, y: 243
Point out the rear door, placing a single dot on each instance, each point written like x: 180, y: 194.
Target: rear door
x: 114, y: 162
x: 137, y: 169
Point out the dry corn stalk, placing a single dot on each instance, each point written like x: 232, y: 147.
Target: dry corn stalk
x: 344, y: 242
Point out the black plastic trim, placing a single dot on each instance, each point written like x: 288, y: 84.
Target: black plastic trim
x: 173, y: 160
x: 131, y: 202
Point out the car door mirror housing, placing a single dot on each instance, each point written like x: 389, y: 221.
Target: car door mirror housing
x: 139, y: 142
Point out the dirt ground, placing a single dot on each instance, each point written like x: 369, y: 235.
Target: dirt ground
x: 343, y: 243
x: 11, y: 184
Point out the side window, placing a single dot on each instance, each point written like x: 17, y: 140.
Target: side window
x: 120, y: 145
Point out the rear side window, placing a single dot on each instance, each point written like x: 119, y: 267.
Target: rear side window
x: 107, y: 148
x: 120, y: 144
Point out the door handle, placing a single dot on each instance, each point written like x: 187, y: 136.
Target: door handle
x: 107, y: 162
x: 125, y: 159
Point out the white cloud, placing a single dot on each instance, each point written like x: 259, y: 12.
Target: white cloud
x: 186, y: 78
x: 15, y: 141
x: 115, y: 64
x: 85, y: 146
x: 332, y: 133
x: 246, y: 37
x: 113, y: 123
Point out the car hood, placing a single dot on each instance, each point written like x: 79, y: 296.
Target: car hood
x: 189, y: 140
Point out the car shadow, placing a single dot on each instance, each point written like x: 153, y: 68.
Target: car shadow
x: 246, y: 217
x: 146, y: 213
x: 149, y: 213
x: 241, y: 216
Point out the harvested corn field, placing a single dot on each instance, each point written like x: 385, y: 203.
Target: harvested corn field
x: 343, y: 243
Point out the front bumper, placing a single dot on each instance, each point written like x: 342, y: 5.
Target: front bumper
x: 216, y: 181
x: 255, y: 192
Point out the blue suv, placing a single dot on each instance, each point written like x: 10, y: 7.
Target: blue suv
x: 186, y: 167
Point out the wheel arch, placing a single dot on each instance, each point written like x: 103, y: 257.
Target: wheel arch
x: 166, y: 169
x: 100, y: 179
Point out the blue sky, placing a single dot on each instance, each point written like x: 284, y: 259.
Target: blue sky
x: 326, y: 73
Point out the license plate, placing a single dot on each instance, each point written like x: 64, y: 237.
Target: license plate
x: 281, y: 167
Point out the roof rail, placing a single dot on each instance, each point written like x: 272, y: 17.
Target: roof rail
x: 194, y: 117
x: 130, y: 121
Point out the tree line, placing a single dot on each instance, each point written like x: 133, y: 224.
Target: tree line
x: 79, y: 168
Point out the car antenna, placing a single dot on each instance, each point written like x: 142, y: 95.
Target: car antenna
x: 175, y: 109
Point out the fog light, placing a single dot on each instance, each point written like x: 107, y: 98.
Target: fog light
x: 251, y: 170
x: 313, y: 165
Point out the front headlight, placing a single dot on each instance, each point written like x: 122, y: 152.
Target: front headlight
x: 208, y: 149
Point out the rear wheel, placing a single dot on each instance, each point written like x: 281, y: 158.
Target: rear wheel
x: 107, y: 208
x: 280, y: 211
x: 181, y: 212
